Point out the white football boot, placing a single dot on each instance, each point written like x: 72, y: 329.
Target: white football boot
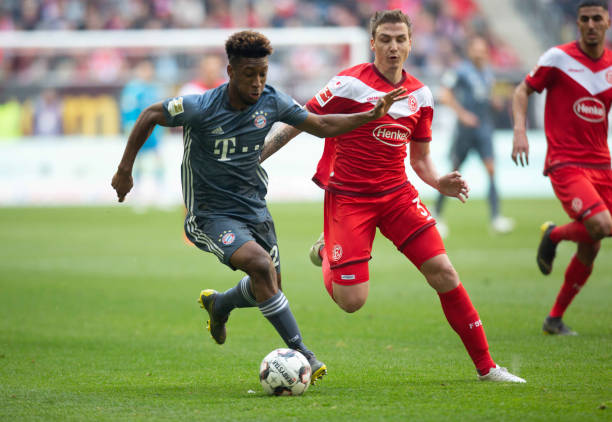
x: 499, y: 374
x: 502, y: 225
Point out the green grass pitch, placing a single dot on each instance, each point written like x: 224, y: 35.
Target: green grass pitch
x: 99, y: 321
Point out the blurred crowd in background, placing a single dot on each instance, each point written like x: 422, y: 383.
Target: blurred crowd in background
x: 84, y: 91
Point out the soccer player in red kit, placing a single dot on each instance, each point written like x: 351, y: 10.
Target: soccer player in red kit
x: 364, y: 177
x: 578, y: 79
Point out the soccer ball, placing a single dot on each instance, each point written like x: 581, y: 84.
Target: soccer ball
x: 284, y: 372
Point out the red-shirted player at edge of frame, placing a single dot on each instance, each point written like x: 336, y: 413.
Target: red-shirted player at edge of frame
x: 578, y: 79
x: 364, y: 177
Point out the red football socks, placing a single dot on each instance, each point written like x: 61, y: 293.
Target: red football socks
x: 464, y: 319
x: 576, y: 276
x: 327, y: 273
x: 575, y: 231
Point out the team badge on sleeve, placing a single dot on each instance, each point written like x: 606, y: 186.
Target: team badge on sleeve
x: 175, y: 106
x: 324, y: 96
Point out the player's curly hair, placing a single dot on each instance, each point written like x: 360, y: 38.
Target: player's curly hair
x: 249, y: 44
x: 389, y: 16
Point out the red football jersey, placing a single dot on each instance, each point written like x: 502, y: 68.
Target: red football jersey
x: 579, y: 93
x: 370, y: 159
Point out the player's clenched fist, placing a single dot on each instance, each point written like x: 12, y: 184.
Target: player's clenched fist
x: 122, y: 183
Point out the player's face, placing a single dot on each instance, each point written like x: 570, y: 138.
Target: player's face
x: 248, y: 78
x: 479, y: 52
x: 593, y: 22
x: 391, y: 46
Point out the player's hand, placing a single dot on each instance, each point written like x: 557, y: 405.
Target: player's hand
x: 520, y: 148
x: 469, y: 119
x: 122, y: 183
x: 384, y: 103
x: 454, y: 185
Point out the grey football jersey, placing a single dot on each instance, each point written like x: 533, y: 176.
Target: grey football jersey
x: 472, y: 87
x: 220, y: 173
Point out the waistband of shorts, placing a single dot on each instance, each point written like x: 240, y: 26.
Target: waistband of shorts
x: 359, y: 194
x: 550, y: 169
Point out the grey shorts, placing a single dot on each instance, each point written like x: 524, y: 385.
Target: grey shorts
x: 222, y: 236
x: 466, y: 139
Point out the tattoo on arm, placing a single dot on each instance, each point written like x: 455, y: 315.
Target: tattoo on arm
x: 278, y: 139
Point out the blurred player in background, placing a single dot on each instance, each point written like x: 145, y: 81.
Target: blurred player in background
x: 139, y: 93
x: 364, y: 177
x: 467, y: 90
x: 224, y: 186
x: 577, y: 77
x: 209, y: 76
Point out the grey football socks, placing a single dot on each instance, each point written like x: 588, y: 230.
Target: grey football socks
x: 493, y: 199
x: 277, y: 311
x: 239, y: 296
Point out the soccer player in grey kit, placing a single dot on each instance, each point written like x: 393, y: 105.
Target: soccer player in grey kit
x: 467, y: 90
x: 224, y: 186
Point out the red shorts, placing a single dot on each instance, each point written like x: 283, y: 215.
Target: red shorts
x: 350, y: 225
x: 583, y: 192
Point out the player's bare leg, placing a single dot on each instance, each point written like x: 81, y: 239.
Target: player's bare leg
x: 351, y: 298
x: 599, y: 225
x: 463, y: 318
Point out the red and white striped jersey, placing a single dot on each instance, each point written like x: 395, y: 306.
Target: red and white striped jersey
x: 370, y: 159
x: 579, y: 93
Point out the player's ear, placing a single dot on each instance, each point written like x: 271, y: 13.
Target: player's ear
x: 372, y: 44
x: 230, y: 71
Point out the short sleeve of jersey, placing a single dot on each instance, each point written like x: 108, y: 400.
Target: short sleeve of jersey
x: 542, y: 75
x: 289, y: 111
x: 183, y: 111
x: 422, y: 130
x: 326, y: 101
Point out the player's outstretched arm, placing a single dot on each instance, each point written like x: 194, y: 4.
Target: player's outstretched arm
x: 329, y: 125
x: 122, y: 180
x: 451, y: 184
x: 280, y: 134
x: 520, y: 143
x: 466, y: 117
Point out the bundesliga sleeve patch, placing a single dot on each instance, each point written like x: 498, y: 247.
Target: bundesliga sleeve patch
x: 175, y: 106
x: 324, y: 96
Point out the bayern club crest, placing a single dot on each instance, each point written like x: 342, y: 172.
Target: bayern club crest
x: 259, y: 119
x: 227, y: 237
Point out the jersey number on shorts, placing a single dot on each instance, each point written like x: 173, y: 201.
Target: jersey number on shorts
x: 274, y: 255
x: 424, y: 212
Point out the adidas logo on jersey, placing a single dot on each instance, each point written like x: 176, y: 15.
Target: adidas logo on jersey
x: 218, y: 131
